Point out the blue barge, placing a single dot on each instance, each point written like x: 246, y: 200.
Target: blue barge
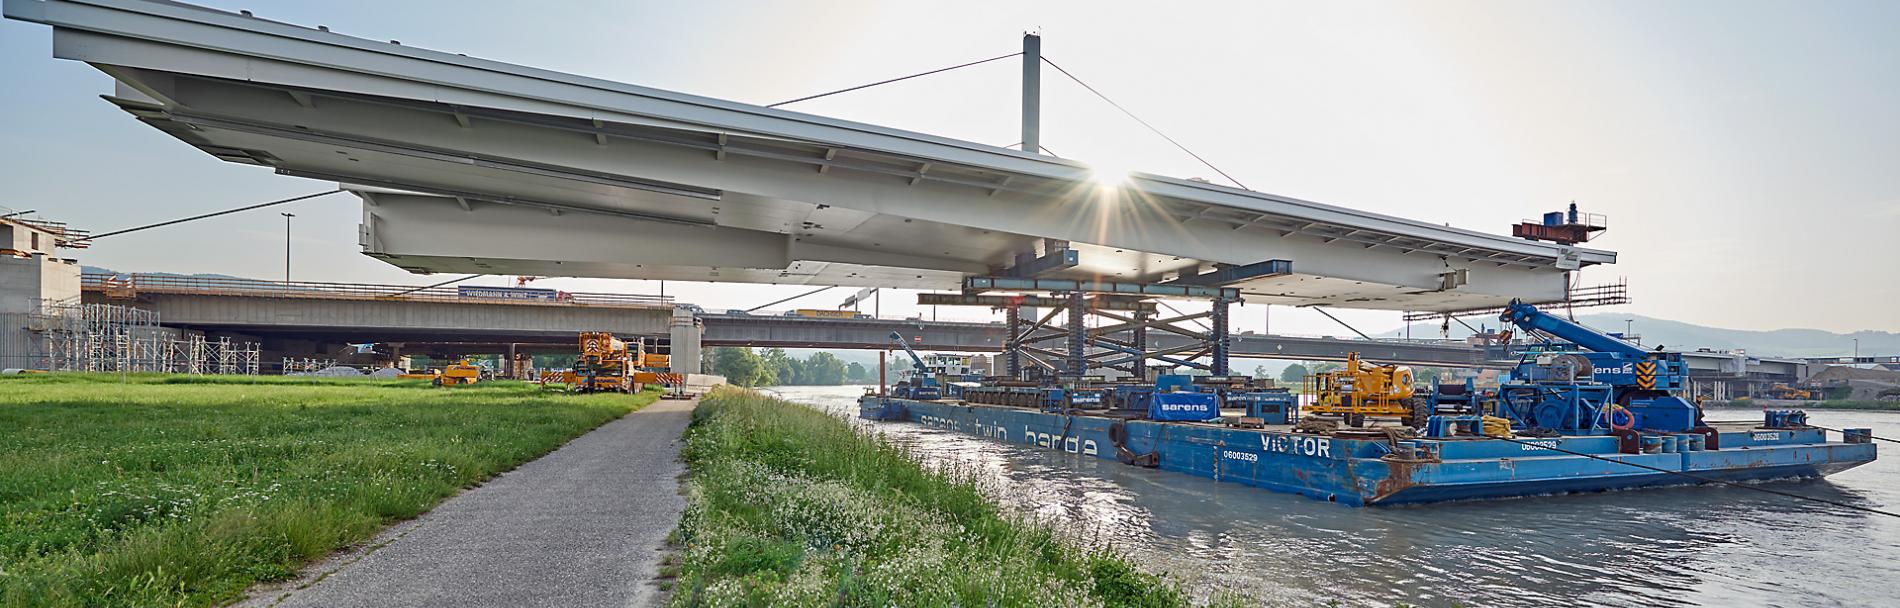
x: 1364, y: 471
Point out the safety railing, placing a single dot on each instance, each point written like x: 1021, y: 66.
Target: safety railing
x: 132, y: 285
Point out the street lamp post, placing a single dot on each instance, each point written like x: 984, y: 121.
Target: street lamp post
x: 287, y: 217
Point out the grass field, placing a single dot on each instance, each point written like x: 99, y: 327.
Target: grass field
x: 791, y: 507
x: 153, y: 490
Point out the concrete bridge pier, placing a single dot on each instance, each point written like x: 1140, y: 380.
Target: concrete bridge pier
x: 685, y: 331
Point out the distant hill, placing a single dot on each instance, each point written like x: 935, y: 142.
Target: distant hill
x: 98, y: 270
x: 1677, y: 335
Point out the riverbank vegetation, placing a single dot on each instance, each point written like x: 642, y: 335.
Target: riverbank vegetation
x: 792, y: 507
x: 775, y: 367
x: 159, y: 490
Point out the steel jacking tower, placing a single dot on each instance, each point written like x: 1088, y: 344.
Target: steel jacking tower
x: 1124, y: 312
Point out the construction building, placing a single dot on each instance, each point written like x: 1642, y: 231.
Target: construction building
x: 45, y: 325
x: 32, y: 275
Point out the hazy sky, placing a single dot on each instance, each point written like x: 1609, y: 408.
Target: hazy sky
x: 1747, y: 153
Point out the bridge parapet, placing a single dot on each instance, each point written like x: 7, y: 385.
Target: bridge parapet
x: 129, y: 286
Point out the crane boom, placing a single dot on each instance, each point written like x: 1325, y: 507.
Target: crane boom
x: 915, y: 360
x: 1529, y: 317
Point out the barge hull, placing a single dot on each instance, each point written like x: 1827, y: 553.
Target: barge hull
x: 1356, y: 471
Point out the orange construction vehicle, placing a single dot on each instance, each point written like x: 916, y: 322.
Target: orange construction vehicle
x: 1792, y: 393
x: 459, y: 373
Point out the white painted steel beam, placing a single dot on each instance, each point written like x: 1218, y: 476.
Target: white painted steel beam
x: 516, y: 170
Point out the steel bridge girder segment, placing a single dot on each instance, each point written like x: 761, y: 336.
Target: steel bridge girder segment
x: 1006, y: 301
x: 1029, y: 265
x: 981, y: 284
x: 1235, y: 274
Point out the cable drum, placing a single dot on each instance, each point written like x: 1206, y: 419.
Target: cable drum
x: 1579, y: 366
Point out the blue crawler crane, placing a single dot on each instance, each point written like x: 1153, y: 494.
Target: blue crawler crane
x: 922, y: 384
x: 1610, y: 385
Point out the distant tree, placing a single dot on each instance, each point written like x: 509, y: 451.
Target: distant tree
x: 1294, y: 374
x: 741, y: 366
x: 855, y: 373
x: 1325, y: 367
x: 822, y: 368
x: 783, y: 368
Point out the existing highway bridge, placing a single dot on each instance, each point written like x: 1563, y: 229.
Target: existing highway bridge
x: 316, y: 317
x: 308, y: 319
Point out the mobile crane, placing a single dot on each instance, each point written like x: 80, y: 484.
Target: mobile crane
x: 606, y: 363
x: 1610, y: 384
x: 923, y: 383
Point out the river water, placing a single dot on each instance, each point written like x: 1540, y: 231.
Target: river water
x: 1689, y: 546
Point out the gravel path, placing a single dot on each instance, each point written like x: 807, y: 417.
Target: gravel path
x: 582, y: 526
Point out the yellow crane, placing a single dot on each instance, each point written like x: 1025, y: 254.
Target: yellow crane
x: 606, y: 363
x: 1362, y: 389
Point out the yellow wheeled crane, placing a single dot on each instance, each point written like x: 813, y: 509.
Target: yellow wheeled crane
x: 606, y: 363
x: 1362, y: 389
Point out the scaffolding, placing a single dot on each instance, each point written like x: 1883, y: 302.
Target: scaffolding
x: 77, y: 337
x: 317, y: 366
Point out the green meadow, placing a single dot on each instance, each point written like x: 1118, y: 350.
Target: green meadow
x: 157, y: 490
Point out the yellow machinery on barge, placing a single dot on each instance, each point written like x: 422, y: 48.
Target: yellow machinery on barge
x: 1363, y: 390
